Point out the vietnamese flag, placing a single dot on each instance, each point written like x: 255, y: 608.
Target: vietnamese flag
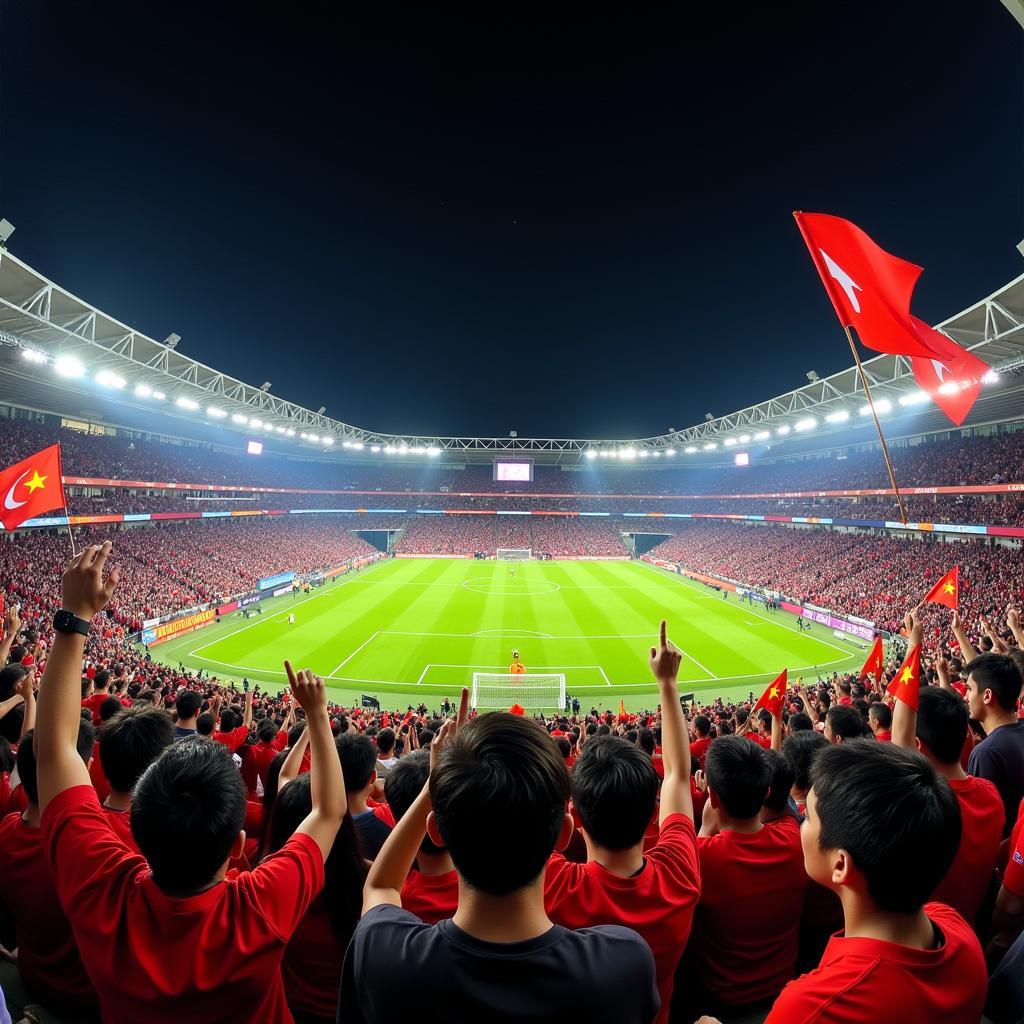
x: 906, y: 684
x: 869, y: 288
x: 773, y: 696
x: 875, y: 665
x: 31, y: 487
x: 947, y: 590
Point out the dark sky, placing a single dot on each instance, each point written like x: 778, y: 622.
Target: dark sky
x: 568, y: 225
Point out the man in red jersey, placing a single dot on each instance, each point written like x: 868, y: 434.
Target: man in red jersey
x: 132, y: 915
x: 880, y: 721
x: 232, y: 732
x: 100, y: 692
x: 702, y: 739
x: 256, y: 757
x: 614, y: 791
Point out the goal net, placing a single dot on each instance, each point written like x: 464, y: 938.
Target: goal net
x: 499, y: 691
x: 514, y: 554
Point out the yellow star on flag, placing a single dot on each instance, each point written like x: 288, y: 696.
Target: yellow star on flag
x: 949, y: 588
x: 773, y: 692
x: 908, y: 675
x: 36, y: 482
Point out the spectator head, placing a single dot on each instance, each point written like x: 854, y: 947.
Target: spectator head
x: 187, y: 705
x: 891, y: 837
x: 564, y: 746
x: 358, y: 762
x: 800, y: 721
x: 266, y: 731
x: 205, y: 724
x: 799, y: 750
x: 26, y: 758
x: 386, y: 742
x: 645, y: 741
x: 781, y: 784
x: 879, y: 717
x: 426, y: 738
x: 764, y: 722
x: 738, y: 776
x: 614, y: 790
x: 702, y: 726
x: 10, y: 724
x: 229, y: 720
x: 130, y: 742
x: 109, y: 708
x: 101, y: 680
x: 188, y: 809
x: 993, y: 685
x: 843, y: 724
x: 404, y: 783
x: 499, y: 793
x: 942, y: 723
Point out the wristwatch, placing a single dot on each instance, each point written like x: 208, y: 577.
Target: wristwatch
x: 67, y: 622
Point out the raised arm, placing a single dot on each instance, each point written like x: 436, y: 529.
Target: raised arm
x: 326, y: 782
x: 85, y: 593
x: 12, y: 623
x: 966, y: 647
x: 675, y: 738
x: 777, y: 731
x: 806, y: 700
x: 290, y: 770
x: 26, y: 687
x: 942, y: 670
x: 904, y: 717
x: 247, y: 713
x: 1013, y: 621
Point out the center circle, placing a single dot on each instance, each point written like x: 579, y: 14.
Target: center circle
x: 510, y: 588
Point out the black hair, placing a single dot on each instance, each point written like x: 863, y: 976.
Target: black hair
x: 404, y: 783
x: 845, y: 722
x: 739, y: 773
x: 109, y: 708
x: 386, y: 741
x: 205, y: 724
x: 602, y: 730
x: 229, y: 720
x: 900, y: 823
x: 7, y: 758
x: 942, y: 723
x: 799, y: 750
x: 781, y: 781
x: 702, y: 724
x: 187, y: 809
x: 645, y: 741
x: 800, y: 721
x: 499, y: 793
x: 10, y: 724
x: 130, y: 742
x: 101, y: 680
x: 998, y: 673
x: 564, y: 746
x: 187, y: 704
x: 881, y: 713
x: 26, y: 758
x: 266, y: 731
x: 358, y: 760
x: 614, y: 790
x: 344, y: 870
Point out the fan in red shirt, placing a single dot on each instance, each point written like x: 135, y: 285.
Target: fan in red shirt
x: 233, y: 733
x: 100, y: 692
x: 880, y: 721
x: 703, y: 738
x: 166, y: 937
x: 256, y: 757
x: 615, y: 789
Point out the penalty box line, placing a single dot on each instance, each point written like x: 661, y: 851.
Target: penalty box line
x: 497, y: 669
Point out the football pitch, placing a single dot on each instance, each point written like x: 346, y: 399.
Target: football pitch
x: 411, y: 630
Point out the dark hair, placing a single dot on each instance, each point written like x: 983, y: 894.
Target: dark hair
x: 358, y: 760
x: 845, y: 722
x: 603, y: 730
x: 7, y: 758
x: 10, y: 724
x: 703, y: 725
x: 645, y: 741
x: 266, y: 731
x: 781, y: 781
x: 799, y: 750
x: 564, y: 746
x: 998, y: 673
x: 101, y: 680
x: 900, y: 823
x: 386, y: 741
x: 881, y: 714
x: 229, y: 720
x: 499, y: 793
x: 187, y: 809
x: 942, y: 722
x: 109, y: 708
x: 26, y: 758
x: 614, y: 790
x: 130, y: 742
x: 205, y: 724
x: 344, y: 869
x: 800, y: 721
x: 295, y: 732
x: 187, y: 704
x: 739, y: 773
x: 404, y: 783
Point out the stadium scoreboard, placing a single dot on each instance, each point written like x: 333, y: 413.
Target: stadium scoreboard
x: 516, y: 471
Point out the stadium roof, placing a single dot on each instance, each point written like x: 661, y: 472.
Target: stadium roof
x: 133, y: 380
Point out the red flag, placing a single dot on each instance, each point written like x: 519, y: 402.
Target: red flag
x: 947, y: 590
x: 869, y: 288
x: 906, y: 684
x: 951, y: 377
x: 517, y: 709
x: 773, y: 696
x: 31, y: 487
x: 875, y: 665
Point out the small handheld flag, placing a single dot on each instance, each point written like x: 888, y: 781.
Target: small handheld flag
x: 947, y: 590
x: 774, y: 695
x: 875, y: 665
x: 31, y: 487
x: 906, y: 684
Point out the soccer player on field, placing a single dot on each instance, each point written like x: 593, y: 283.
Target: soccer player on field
x: 517, y: 668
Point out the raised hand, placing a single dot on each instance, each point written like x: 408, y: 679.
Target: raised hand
x: 307, y: 689
x: 665, y: 659
x: 913, y: 629
x: 449, y: 728
x: 84, y: 591
x: 12, y: 620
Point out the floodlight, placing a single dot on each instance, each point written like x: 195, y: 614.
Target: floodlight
x: 239, y: 418
x: 881, y: 405
x: 186, y: 403
x: 913, y: 398
x: 709, y: 416
x: 321, y: 410
x: 31, y: 355
x: 389, y: 448
x: 268, y: 427
x: 171, y: 341
x: 590, y: 453
x: 346, y: 444
x: 330, y: 440
x: 403, y: 447
x: 812, y: 376
x: 358, y: 445
x: 783, y: 430
x: 951, y: 387
x: 603, y: 453
x: 990, y: 377
x: 280, y: 430
x: 657, y: 455
x: 762, y: 435
x: 690, y: 450
x: 312, y: 437
x: 289, y: 432
x: 109, y: 379
x: 433, y: 450
x: 143, y: 391
x: 304, y: 436
x: 69, y: 366
x: 6, y: 230
x: 215, y: 413
x: 710, y: 446
x: 744, y: 438
x: 839, y: 416
x: 730, y: 442
x: 807, y: 423
x: 265, y: 386
x: 159, y: 396
x: 642, y: 453
x: 374, y: 447
x: 670, y: 451
x: 255, y: 423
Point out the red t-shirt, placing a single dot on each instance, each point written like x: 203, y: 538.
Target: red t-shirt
x: 48, y: 959
x: 234, y: 739
x: 763, y: 742
x: 211, y: 957
x: 96, y: 773
x: 1013, y: 873
x: 658, y: 902
x: 698, y: 748
x: 884, y: 736
x: 983, y: 816
x: 431, y: 898
x: 869, y: 981
x: 744, y: 951
x: 312, y: 965
x: 256, y: 759
x: 121, y: 823
x: 93, y: 702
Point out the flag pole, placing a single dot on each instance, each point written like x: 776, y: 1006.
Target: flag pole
x: 878, y: 425
x: 67, y: 511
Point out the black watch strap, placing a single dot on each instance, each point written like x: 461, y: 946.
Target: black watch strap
x: 67, y: 622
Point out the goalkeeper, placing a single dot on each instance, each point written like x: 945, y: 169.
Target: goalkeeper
x: 517, y: 668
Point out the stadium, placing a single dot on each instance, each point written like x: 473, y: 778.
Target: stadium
x: 299, y: 714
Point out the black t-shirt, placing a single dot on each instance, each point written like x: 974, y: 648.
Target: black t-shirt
x: 372, y: 832
x: 1000, y: 759
x: 593, y: 974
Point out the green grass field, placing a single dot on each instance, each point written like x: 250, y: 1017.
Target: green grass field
x: 417, y: 629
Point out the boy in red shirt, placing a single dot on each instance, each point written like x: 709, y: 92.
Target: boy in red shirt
x: 233, y: 733
x: 742, y: 959
x: 614, y: 791
x: 169, y: 937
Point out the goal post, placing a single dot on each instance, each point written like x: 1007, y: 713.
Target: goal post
x: 499, y: 691
x: 514, y: 554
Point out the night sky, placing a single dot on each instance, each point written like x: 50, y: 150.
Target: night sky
x: 567, y: 225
